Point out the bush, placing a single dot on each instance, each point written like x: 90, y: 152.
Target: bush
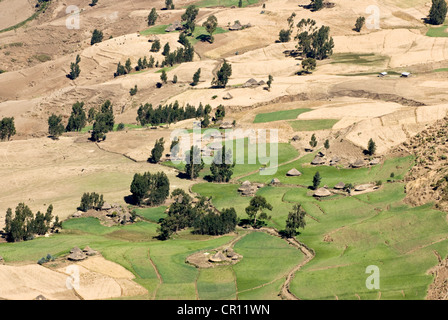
x: 120, y: 126
x: 97, y: 36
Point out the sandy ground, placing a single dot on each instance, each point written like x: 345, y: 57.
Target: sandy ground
x: 98, y: 279
x: 14, y: 11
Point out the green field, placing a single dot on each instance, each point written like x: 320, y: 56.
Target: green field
x: 312, y: 125
x: 244, y: 163
x: 368, y: 229
x: 223, y: 3
x: 126, y: 126
x: 199, y: 32
x: 365, y: 59
x: 279, y: 115
x: 438, y: 31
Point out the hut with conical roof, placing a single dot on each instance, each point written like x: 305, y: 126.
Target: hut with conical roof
x: 89, y: 251
x: 236, y: 26
x: 293, y: 173
x: 318, y: 160
x: 358, y: 163
x: 322, y: 192
x: 76, y: 254
x: 250, y: 83
x: 218, y: 257
x: 227, y: 96
x: 340, y: 186
x: 275, y: 181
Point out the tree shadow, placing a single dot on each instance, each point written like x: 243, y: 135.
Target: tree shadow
x: 204, y: 38
x: 129, y: 199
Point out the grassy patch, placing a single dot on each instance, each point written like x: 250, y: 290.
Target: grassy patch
x: 199, y: 32
x: 152, y: 214
x: 438, y: 32
x: 126, y: 125
x: 279, y: 115
x: 366, y: 59
x: 216, y: 284
x: 312, y: 125
x: 42, y: 8
x: 223, y: 3
x: 42, y: 57
x: 441, y: 70
x: 166, y: 69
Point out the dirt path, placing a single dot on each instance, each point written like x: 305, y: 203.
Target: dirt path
x: 157, y: 273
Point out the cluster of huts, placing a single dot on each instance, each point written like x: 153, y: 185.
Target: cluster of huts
x: 248, y: 189
x: 114, y: 211
x: 227, y: 255
x: 326, y: 192
x: 176, y: 25
x: 320, y: 159
x: 238, y: 26
x: 77, y: 254
x: 252, y: 83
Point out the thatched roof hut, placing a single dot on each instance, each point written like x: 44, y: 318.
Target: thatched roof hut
x: 374, y: 162
x: 275, y: 181
x: 177, y: 25
x: 295, y: 138
x: 250, y: 83
x: 76, y: 254
x: 363, y: 187
x: 77, y: 214
x: 89, y: 251
x: 340, y: 186
x: 318, y: 160
x: 236, y: 26
x: 358, y: 164
x: 261, y: 83
x: 226, y: 125
x: 218, y: 257
x: 227, y: 96
x: 40, y: 297
x: 106, y: 206
x: 246, y: 183
x: 153, y: 38
x: 322, y: 192
x: 294, y: 173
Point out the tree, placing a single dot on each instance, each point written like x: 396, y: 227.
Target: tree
x: 189, y: 17
x: 295, y: 220
x: 194, y: 162
x: 75, y: 69
x: 163, y: 76
x: 206, y: 121
x: 104, y: 122
x: 55, y: 126
x: 157, y: 151
x: 308, y: 64
x: 166, y: 49
x: 196, y: 77
x: 91, y: 201
x: 222, y: 165
x: 240, y: 3
x: 284, y: 35
x: 438, y: 11
x: 91, y: 114
x: 327, y: 144
x: 359, y: 23
x: 169, y: 4
x: 93, y: 3
x: 78, y: 119
x: 97, y: 36
x: 223, y: 75
x: 152, y: 17
x: 371, y: 147
x: 155, y: 47
x: 220, y: 113
x: 256, y: 209
x: 316, y: 180
x: 313, y: 42
x: 7, y: 128
x: 128, y: 65
x: 175, y: 79
x: 150, y: 189
x: 133, y: 91
x: 269, y: 82
x: 210, y: 26
x: 313, y: 141
x: 317, y: 4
